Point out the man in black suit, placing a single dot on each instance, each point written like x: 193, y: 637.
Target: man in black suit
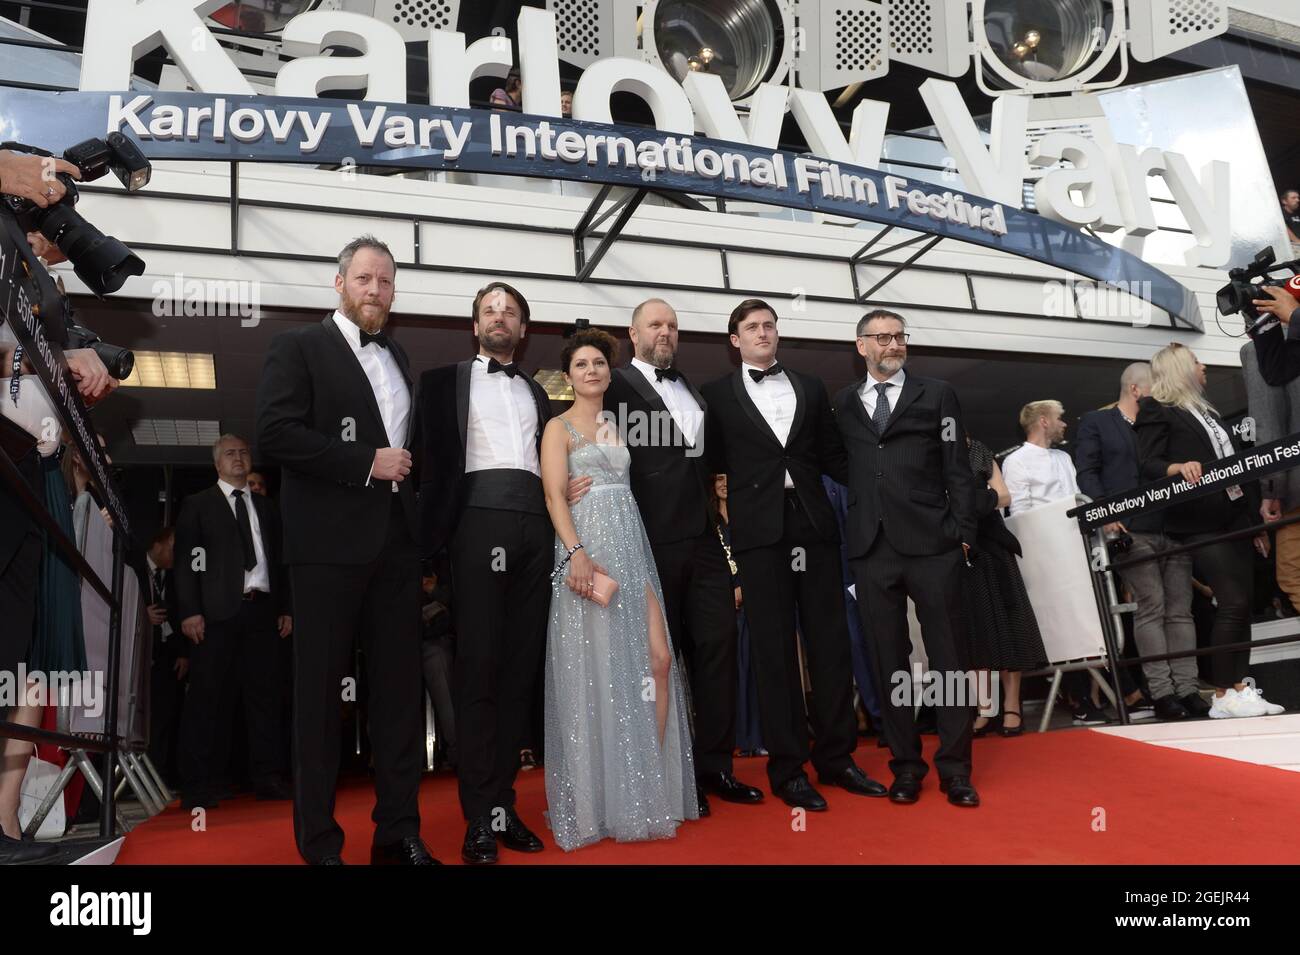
x: 770, y: 429
x: 481, y: 501
x: 171, y: 655
x: 911, y: 518
x: 653, y: 400
x: 334, y: 411
x: 232, y: 598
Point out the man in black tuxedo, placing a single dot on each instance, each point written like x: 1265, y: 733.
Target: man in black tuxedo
x: 232, y: 598
x: 334, y: 411
x: 171, y: 655
x: 770, y: 429
x: 480, y: 424
x: 911, y: 517
x: 670, y: 480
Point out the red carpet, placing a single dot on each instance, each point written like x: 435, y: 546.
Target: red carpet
x: 1045, y: 799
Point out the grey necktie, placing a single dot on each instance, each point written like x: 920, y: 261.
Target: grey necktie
x: 880, y: 418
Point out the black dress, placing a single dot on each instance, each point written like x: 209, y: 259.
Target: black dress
x: 1003, y: 630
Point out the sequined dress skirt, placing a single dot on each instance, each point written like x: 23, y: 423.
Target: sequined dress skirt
x: 606, y: 774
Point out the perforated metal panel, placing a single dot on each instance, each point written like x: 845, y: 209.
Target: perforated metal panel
x: 930, y: 34
x: 591, y: 30
x: 415, y: 18
x: 844, y: 41
x: 1160, y: 27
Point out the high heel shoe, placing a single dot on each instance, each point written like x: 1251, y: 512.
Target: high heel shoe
x: 1012, y: 730
x: 994, y: 722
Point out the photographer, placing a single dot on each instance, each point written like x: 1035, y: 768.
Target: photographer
x: 1277, y: 343
x: 34, y: 177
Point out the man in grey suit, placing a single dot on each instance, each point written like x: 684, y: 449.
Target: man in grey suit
x: 1276, y: 413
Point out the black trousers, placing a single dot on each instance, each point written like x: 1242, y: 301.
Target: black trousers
x: 804, y: 572
x: 18, y: 607
x: 1227, y: 568
x: 166, y: 709
x: 885, y: 579
x: 700, y: 610
x: 235, y: 662
x: 501, y: 565
x: 334, y: 606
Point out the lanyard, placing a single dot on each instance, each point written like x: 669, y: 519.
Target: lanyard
x: 16, y: 374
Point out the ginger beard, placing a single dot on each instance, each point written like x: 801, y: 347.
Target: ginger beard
x: 369, y: 314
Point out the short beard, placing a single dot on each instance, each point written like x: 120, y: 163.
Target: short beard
x: 647, y: 355
x: 883, y: 369
x: 507, y: 350
x: 351, y: 309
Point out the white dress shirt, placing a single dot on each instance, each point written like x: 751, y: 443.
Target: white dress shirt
x: 868, y: 392
x: 1037, y: 476
x: 259, y: 578
x: 677, y: 398
x: 502, y: 428
x: 391, y: 393
x: 775, y: 399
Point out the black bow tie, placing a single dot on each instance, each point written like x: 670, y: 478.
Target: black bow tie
x: 672, y: 374
x: 758, y: 376
x: 378, y: 338
x: 494, y: 366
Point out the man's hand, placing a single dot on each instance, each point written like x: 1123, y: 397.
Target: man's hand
x: 285, y: 623
x: 45, y: 249
x: 1114, y: 527
x: 578, y: 488
x: 1261, y: 543
x: 1190, y: 470
x: 1271, y: 509
x: 391, y: 464
x: 182, y: 667
x: 739, y: 600
x: 34, y: 177
x: 157, y: 614
x: 93, y: 379
x: 1280, y: 303
x: 192, y: 627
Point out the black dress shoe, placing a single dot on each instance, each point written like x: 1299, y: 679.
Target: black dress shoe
x: 1170, y: 708
x: 906, y: 788
x: 329, y: 860
x: 409, y: 851
x: 728, y: 787
x: 517, y: 836
x: 855, y: 781
x: 480, y: 846
x: 1195, y: 704
x: 274, y: 791
x: 25, y: 852
x: 798, y: 792
x: 960, y: 791
x: 703, y: 801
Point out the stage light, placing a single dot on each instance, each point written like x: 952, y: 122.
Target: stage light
x: 742, y: 37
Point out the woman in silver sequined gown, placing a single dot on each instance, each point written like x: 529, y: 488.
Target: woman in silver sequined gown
x: 618, y: 751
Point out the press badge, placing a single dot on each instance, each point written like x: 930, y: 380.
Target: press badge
x: 1235, y: 492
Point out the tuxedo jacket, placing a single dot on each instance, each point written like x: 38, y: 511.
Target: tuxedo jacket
x: 670, y: 480
x: 742, y: 445
x: 176, y: 645
x: 216, y: 590
x: 1168, y: 435
x: 442, y: 422
x: 914, y: 481
x: 318, y: 419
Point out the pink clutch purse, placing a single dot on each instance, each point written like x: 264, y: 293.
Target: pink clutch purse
x: 603, y: 588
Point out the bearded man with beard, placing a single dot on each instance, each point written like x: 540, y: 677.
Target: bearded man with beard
x: 482, y: 506
x: 334, y: 410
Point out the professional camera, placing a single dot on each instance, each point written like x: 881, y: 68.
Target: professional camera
x: 101, y: 262
x: 1240, y: 291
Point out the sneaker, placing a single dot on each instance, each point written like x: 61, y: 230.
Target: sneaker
x: 1236, y: 703
x: 1088, y: 713
x: 1270, y: 709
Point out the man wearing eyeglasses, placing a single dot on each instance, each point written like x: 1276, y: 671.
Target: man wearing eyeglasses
x: 911, y: 519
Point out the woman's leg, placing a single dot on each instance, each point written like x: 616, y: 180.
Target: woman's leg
x: 984, y: 691
x: 660, y: 660
x: 13, y: 766
x: 1226, y: 567
x: 1011, y: 697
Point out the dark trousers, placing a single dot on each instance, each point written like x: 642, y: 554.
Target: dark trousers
x: 885, y: 579
x: 800, y: 572
x: 1227, y: 568
x: 166, y: 708
x: 501, y: 565
x: 236, y: 659
x: 18, y: 607
x: 334, y: 606
x: 700, y: 609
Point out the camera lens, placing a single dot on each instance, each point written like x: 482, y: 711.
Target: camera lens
x: 100, y: 261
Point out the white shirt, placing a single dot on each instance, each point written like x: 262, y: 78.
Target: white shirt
x: 677, y: 398
x: 259, y: 578
x: 776, y: 402
x: 156, y: 597
x: 391, y: 393
x: 1037, y: 476
x: 868, y: 393
x: 502, y: 428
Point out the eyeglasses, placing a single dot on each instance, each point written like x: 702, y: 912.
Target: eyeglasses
x: 884, y: 338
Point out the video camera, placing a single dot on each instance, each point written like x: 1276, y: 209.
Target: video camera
x: 1240, y: 292
x: 102, y: 262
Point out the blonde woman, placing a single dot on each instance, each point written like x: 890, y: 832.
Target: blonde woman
x: 1180, y: 433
